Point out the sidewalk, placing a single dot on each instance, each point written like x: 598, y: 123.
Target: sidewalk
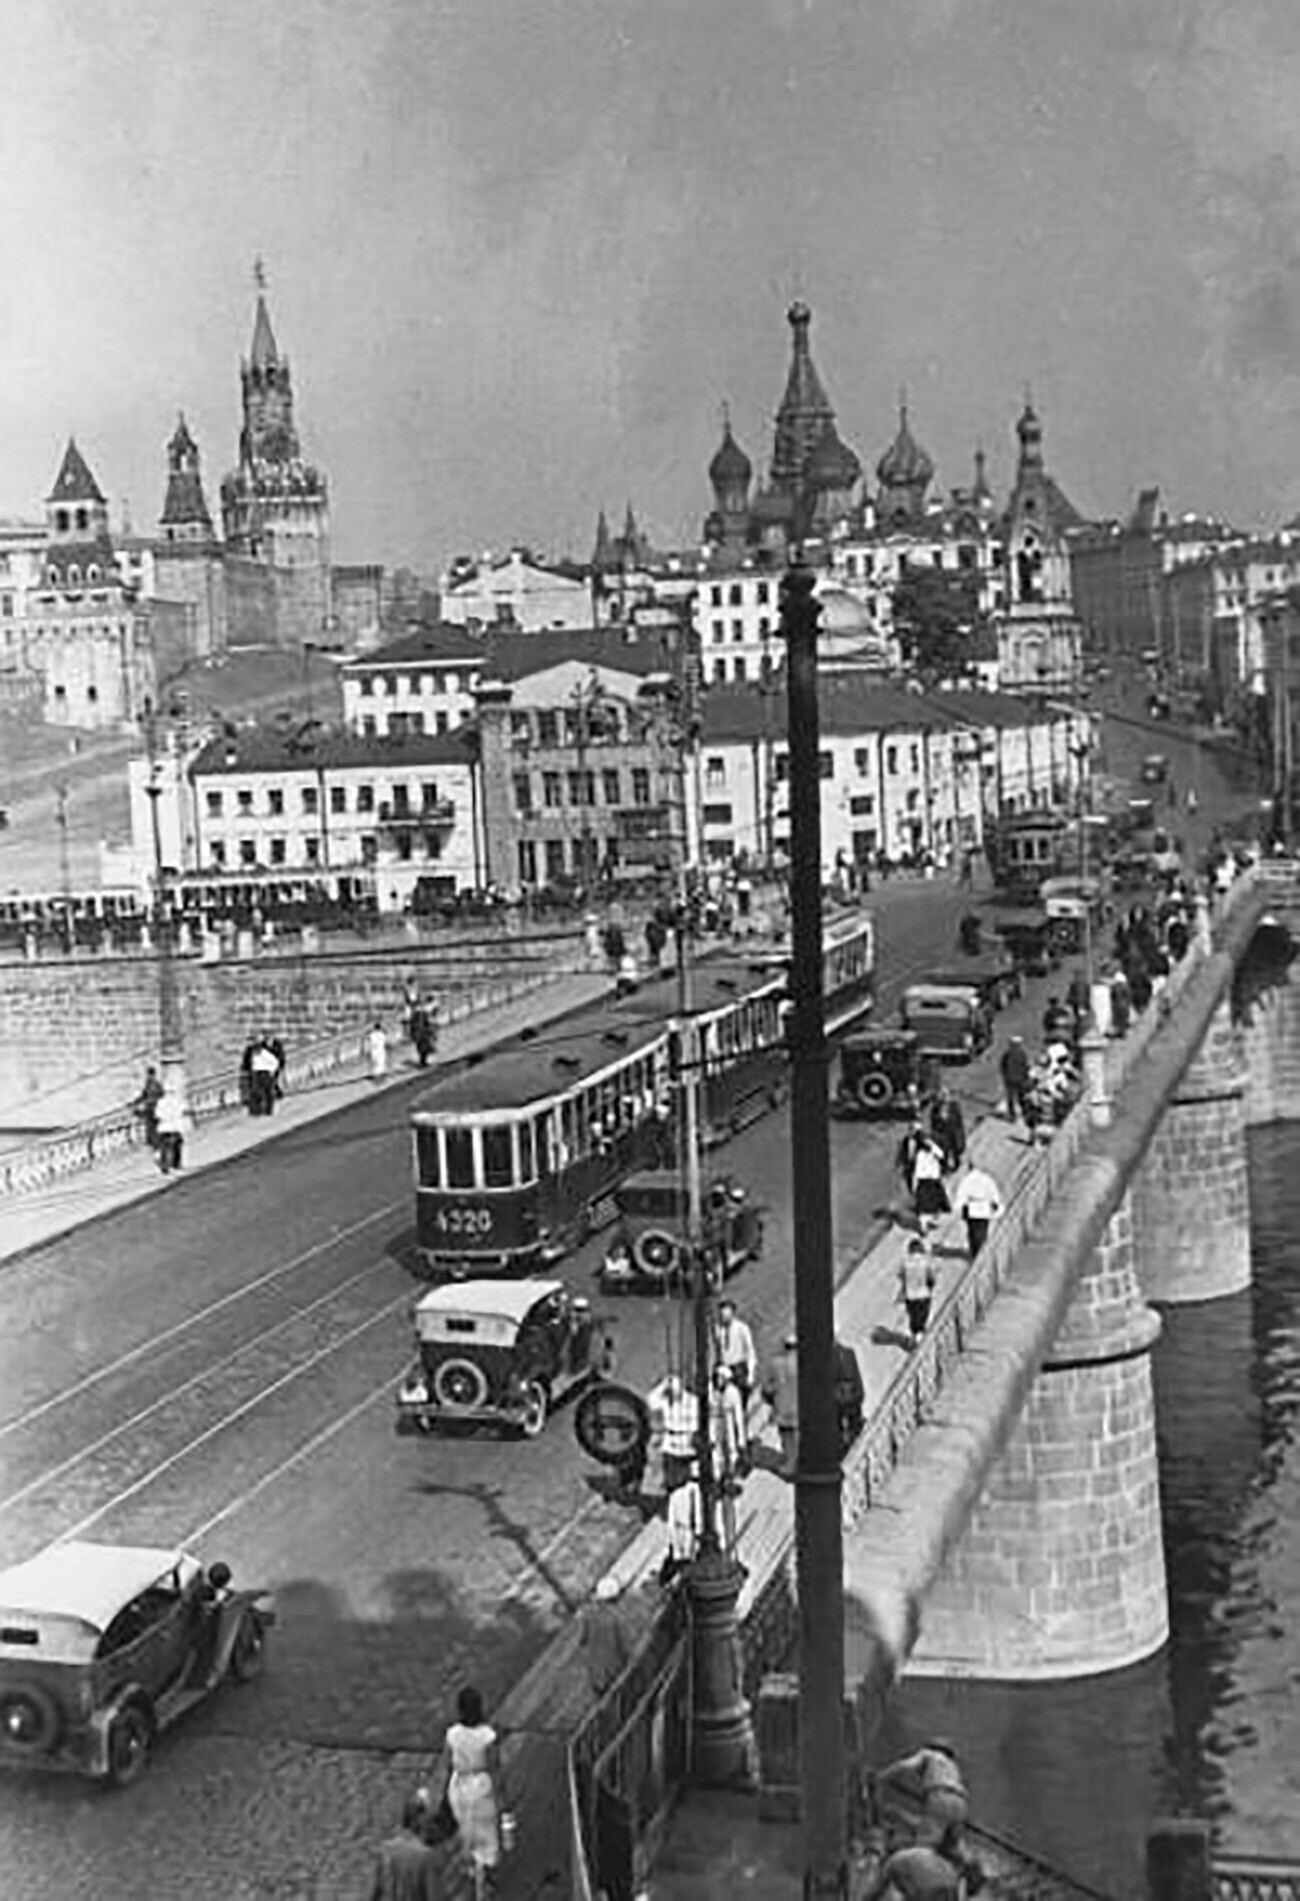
x: 132, y: 1175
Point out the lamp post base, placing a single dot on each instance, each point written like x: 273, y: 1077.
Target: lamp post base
x: 722, y: 1736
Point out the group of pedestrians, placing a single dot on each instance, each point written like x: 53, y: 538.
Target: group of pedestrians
x: 929, y: 1157
x: 463, y: 1807
x: 164, y: 1119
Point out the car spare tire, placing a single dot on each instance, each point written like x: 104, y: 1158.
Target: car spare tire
x: 29, y: 1719
x: 875, y: 1091
x: 460, y: 1385
x: 656, y: 1253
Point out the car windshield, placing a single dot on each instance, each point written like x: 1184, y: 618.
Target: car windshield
x: 650, y: 1198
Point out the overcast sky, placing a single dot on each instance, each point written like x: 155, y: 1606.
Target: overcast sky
x: 521, y: 251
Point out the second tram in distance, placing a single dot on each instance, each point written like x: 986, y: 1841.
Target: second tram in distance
x: 517, y: 1157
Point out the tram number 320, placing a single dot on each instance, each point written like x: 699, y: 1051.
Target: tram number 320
x: 463, y: 1221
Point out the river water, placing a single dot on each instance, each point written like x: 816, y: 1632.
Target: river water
x: 1212, y: 1726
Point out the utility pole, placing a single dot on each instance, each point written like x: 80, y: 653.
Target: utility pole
x: 819, y: 1554
x: 721, y: 1734
x: 171, y: 1037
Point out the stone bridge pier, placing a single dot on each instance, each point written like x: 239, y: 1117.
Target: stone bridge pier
x: 1060, y: 1571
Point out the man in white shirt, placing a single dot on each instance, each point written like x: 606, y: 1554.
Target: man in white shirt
x: 736, y: 1349
x: 979, y: 1203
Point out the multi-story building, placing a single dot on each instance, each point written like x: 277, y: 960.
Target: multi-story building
x: 579, y: 759
x: 1120, y: 575
x: 422, y: 683
x: 517, y: 590
x: 902, y: 772
x: 269, y: 800
x: 1215, y: 608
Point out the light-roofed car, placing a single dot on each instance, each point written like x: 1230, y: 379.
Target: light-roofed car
x: 501, y: 1352
x: 102, y: 1647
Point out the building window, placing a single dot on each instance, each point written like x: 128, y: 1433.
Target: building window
x: 365, y: 798
x: 527, y: 861
x: 521, y: 729
x: 367, y: 686
x: 764, y: 627
x: 738, y: 669
x: 548, y: 731
x: 214, y: 802
x: 554, y: 860
x: 552, y: 789
x: 415, y: 722
x: 61, y: 521
x: 717, y: 815
x: 277, y: 851
x: 715, y: 769
x: 392, y: 682
x: 275, y: 802
x: 719, y: 669
x: 914, y: 758
x: 862, y: 806
x: 862, y: 762
x: 891, y: 760
x: 217, y: 854
x: 310, y: 798
x: 247, y: 851
x: 369, y: 849
x: 443, y: 723
x: 311, y: 849
x: 640, y: 785
x: 523, y: 792
x: 582, y: 788
x: 761, y: 595
x: 826, y: 760
x: 338, y: 800
x: 782, y: 763
x: 734, y: 594
x: 401, y: 801
x: 428, y: 794
x: 369, y: 726
x: 715, y: 597
x: 719, y: 632
x: 245, y: 799
x: 83, y: 521
x: 611, y: 789
x: 737, y: 630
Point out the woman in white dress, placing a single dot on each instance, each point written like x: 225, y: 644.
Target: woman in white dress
x: 472, y: 1778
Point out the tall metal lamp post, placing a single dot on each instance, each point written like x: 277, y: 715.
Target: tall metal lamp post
x: 171, y: 1035
x: 819, y: 1554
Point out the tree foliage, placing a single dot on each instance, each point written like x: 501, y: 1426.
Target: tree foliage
x: 936, y: 619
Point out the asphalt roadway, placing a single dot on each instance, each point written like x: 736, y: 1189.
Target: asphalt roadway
x: 216, y: 1369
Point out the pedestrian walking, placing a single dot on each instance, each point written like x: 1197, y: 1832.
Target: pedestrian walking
x: 173, y: 1127
x: 728, y: 1430
x: 655, y: 939
x: 948, y: 1127
x: 914, y: 1139
x: 606, y: 1646
x: 677, y: 1420
x: 406, y: 1868
x: 472, y: 1771
x: 424, y: 1033
x: 264, y: 1067
x: 929, y: 1196
x: 781, y: 1391
x: 979, y: 1203
x: 736, y: 1352
x: 1014, y: 1070
x: 916, y: 1281
x: 377, y: 1052
x: 850, y: 1395
x: 146, y: 1106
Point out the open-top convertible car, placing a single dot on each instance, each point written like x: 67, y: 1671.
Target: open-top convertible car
x: 104, y: 1646
x: 499, y: 1352
x: 648, y: 1251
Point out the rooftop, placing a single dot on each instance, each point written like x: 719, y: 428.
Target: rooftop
x: 268, y: 749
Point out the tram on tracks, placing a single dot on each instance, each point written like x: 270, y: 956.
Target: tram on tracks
x: 517, y: 1157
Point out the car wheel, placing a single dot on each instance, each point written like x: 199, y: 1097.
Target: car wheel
x: 536, y: 1408
x: 248, y: 1656
x: 29, y: 1720
x: 129, y: 1741
x: 657, y: 1254
x: 875, y: 1090
x: 461, y: 1385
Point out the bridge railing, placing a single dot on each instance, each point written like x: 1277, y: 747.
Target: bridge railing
x: 1254, y: 1878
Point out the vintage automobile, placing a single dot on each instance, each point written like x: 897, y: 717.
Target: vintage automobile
x: 1075, y: 908
x: 883, y: 1073
x: 647, y: 1253
x: 102, y: 1647
x: 1027, y: 937
x: 994, y: 974
x: 499, y: 1353
x: 951, y: 1019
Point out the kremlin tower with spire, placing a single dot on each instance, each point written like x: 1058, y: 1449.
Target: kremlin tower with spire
x: 275, y: 505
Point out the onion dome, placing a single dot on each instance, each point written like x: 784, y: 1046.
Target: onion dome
x: 905, y: 462
x: 832, y: 464
x: 730, y: 467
